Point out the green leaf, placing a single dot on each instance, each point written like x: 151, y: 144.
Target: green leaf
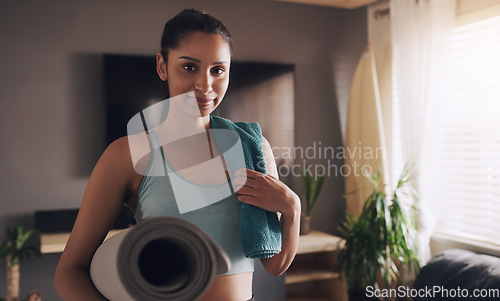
x: 313, y: 184
x: 15, y: 260
x: 5, y: 249
x: 15, y: 245
x: 11, y: 236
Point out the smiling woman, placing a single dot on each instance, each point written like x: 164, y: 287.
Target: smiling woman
x: 193, y: 64
x: 197, y: 64
x: 192, y: 22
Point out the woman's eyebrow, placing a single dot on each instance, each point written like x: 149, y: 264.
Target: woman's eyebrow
x: 198, y: 61
x: 190, y: 58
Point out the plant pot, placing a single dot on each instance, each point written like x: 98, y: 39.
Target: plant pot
x: 12, y: 280
x: 305, y: 224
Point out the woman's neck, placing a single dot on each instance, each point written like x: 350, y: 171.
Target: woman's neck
x: 177, y: 127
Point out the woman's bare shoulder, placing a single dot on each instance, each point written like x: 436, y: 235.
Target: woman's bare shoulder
x: 118, y: 148
x: 128, y: 153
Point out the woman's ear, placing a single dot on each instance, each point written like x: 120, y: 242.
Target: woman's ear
x: 161, y: 67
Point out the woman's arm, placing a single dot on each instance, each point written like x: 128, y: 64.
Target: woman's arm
x: 269, y: 193
x: 104, y: 197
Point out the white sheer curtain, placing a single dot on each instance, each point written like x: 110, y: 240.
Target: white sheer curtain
x: 419, y: 29
x: 364, y: 134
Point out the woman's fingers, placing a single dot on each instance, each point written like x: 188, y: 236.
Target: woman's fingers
x: 264, y: 191
x: 240, y: 180
x: 247, y: 199
x: 243, y: 180
x: 247, y: 185
x: 245, y: 190
x: 251, y: 174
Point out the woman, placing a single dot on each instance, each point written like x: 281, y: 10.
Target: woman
x: 194, y: 64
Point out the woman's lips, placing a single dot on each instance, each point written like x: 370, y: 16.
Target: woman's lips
x: 203, y: 102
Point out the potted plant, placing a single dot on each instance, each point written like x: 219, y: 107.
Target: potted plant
x: 14, y: 249
x: 381, y: 240
x: 313, y: 183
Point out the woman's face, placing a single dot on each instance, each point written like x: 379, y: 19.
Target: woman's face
x: 201, y: 64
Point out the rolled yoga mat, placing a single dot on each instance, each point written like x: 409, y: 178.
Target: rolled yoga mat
x: 162, y: 258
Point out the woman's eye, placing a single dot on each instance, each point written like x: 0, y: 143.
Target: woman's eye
x: 189, y: 67
x: 218, y: 70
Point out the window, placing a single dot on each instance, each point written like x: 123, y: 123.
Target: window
x: 466, y: 199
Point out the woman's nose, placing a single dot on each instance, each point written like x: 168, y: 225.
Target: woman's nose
x: 204, y: 83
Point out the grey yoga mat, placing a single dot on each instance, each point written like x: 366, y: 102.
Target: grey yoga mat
x: 162, y: 258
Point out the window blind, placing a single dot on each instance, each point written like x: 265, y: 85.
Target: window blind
x: 466, y: 197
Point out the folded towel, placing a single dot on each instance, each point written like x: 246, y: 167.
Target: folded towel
x: 260, y: 230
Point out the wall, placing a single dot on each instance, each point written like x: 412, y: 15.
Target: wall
x: 51, y: 110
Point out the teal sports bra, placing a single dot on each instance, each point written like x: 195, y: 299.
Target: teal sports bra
x: 220, y: 219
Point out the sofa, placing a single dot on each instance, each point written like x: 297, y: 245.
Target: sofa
x: 457, y: 274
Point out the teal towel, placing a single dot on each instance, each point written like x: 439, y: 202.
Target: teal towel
x: 260, y: 230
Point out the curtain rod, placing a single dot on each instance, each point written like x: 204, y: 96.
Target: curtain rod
x: 379, y: 14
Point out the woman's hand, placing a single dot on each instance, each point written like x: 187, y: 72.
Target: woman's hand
x: 266, y: 192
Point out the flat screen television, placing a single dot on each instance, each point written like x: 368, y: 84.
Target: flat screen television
x: 131, y: 84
